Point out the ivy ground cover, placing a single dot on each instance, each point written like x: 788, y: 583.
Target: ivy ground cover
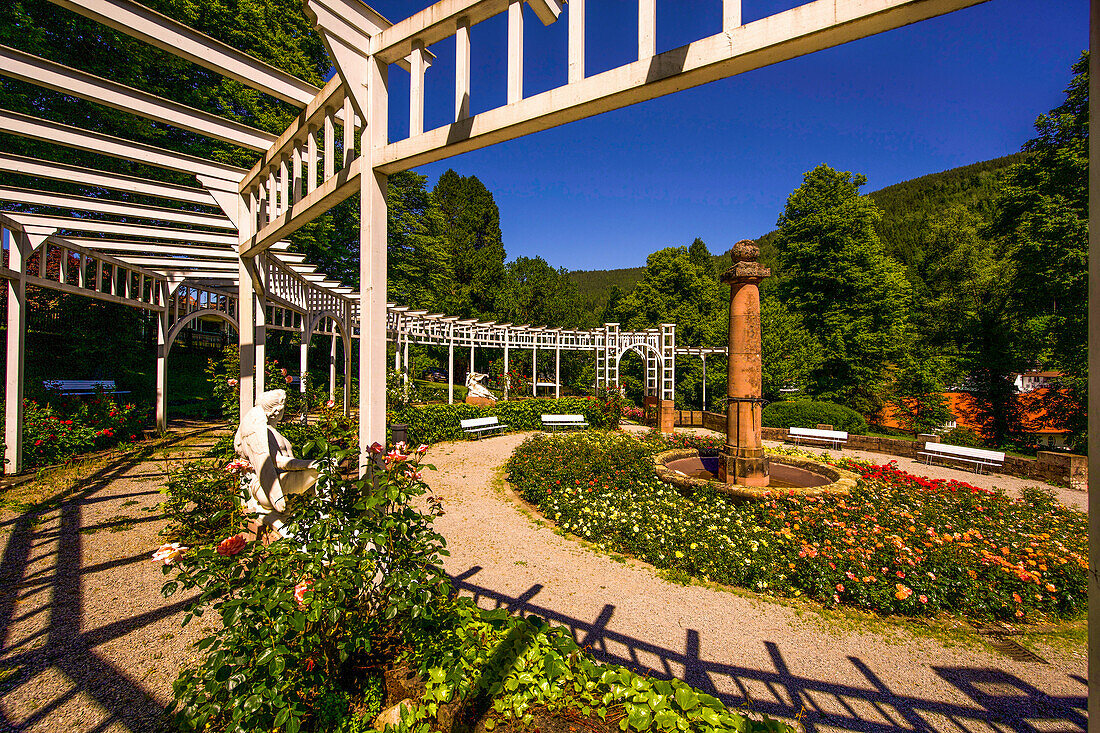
x: 898, y: 544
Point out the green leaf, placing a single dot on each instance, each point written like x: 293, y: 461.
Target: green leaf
x: 686, y: 698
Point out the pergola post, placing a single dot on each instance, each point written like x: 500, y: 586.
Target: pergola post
x: 259, y: 314
x: 332, y: 368
x: 557, y: 368
x: 471, y: 369
x: 451, y: 364
x: 18, y: 248
x: 506, y: 380
x: 372, y: 265
x: 162, y: 359
x: 248, y: 211
x: 534, y: 370
x: 704, y: 382
x: 303, y: 355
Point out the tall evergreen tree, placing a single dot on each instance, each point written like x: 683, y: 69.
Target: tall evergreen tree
x: 419, y: 263
x: 1042, y: 218
x: 535, y: 293
x: 474, y: 241
x: 851, y: 295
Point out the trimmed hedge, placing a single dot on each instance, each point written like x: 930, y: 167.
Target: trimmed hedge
x: 808, y: 414
x: 434, y: 423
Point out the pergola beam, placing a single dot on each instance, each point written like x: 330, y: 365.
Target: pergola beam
x: 45, y: 73
x: 102, y: 179
x: 126, y: 230
x: 96, y: 142
x: 110, y: 245
x: 178, y: 39
x: 117, y: 208
x: 805, y: 29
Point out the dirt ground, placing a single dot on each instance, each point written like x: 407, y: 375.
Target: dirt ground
x: 87, y: 642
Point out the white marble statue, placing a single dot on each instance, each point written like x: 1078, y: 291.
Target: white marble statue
x: 475, y: 388
x: 277, y: 473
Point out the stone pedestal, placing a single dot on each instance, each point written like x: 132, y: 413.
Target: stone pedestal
x: 666, y: 416
x: 742, y: 460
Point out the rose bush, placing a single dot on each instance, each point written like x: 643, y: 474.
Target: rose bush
x: 54, y: 434
x: 897, y: 544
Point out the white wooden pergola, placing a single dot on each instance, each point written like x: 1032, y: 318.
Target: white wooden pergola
x: 184, y: 263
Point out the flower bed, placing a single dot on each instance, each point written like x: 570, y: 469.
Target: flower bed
x: 320, y: 632
x: 55, y: 435
x: 898, y: 544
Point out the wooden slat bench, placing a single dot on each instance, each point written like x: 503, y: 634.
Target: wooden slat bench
x: 82, y: 387
x: 978, y: 457
x: 478, y: 426
x: 550, y: 422
x: 835, y: 438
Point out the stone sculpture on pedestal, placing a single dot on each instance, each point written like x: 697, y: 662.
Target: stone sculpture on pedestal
x: 276, y: 472
x: 477, y: 393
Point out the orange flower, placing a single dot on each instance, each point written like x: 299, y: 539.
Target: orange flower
x: 1050, y: 587
x: 1016, y: 597
x: 231, y: 546
x: 902, y: 592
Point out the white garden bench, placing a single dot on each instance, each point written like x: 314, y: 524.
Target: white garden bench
x: 478, y: 426
x: 979, y: 457
x: 82, y: 387
x: 550, y: 422
x: 835, y: 438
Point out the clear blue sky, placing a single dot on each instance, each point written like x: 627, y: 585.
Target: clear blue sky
x: 719, y: 161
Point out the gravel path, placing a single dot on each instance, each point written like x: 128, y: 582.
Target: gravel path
x: 87, y: 642
x: 753, y: 653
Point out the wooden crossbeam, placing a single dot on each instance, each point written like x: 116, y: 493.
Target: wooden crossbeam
x: 178, y: 39
x: 126, y: 230
x: 106, y: 206
x: 101, y: 179
x: 45, y: 73
x: 96, y: 142
x: 805, y: 29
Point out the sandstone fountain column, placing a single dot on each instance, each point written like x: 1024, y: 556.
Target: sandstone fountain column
x: 742, y: 459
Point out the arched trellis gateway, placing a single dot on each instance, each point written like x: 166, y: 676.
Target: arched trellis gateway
x: 302, y: 173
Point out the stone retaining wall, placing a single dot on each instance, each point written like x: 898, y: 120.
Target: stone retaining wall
x: 1064, y: 469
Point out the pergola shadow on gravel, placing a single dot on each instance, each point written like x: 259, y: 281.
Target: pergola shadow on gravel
x: 995, y: 694
x: 56, y: 535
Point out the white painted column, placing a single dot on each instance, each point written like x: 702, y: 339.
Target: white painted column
x: 162, y: 360
x: 557, y: 368
x: 260, y: 315
x: 18, y: 251
x: 303, y: 356
x: 416, y: 89
x: 647, y: 29
x: 332, y: 367
x: 472, y: 370
x: 704, y: 382
x: 506, y: 385
x: 451, y: 365
x: 249, y: 213
x: 515, y: 51
x: 576, y: 40
x: 462, y: 69
x: 534, y: 371
x: 372, y: 268
x: 731, y: 14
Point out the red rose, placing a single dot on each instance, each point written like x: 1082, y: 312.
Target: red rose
x: 231, y: 546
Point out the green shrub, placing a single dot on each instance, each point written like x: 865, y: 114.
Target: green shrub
x: 202, y: 503
x: 808, y: 414
x: 296, y: 617
x: 898, y: 544
x: 54, y: 435
x: 434, y: 423
x: 963, y: 436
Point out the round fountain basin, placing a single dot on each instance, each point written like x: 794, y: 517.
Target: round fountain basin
x: 686, y: 469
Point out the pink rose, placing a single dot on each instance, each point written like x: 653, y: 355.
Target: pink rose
x: 376, y: 448
x: 300, y: 592
x: 289, y: 379
x: 169, y: 553
x: 231, y: 382
x: 330, y: 404
x: 231, y: 546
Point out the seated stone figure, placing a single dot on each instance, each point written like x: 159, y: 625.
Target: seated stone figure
x: 476, y: 389
x: 277, y: 473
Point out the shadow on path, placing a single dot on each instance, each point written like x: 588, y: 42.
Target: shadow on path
x: 995, y: 697
x: 63, y: 644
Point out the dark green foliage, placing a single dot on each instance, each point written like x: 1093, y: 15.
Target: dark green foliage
x: 203, y: 502
x: 1042, y: 219
x: 535, y: 293
x: 475, y: 247
x: 917, y: 394
x: 596, y: 286
x: 809, y: 414
x: 419, y: 266
x: 836, y: 274
x: 434, y: 423
x: 790, y: 352
x: 66, y: 427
